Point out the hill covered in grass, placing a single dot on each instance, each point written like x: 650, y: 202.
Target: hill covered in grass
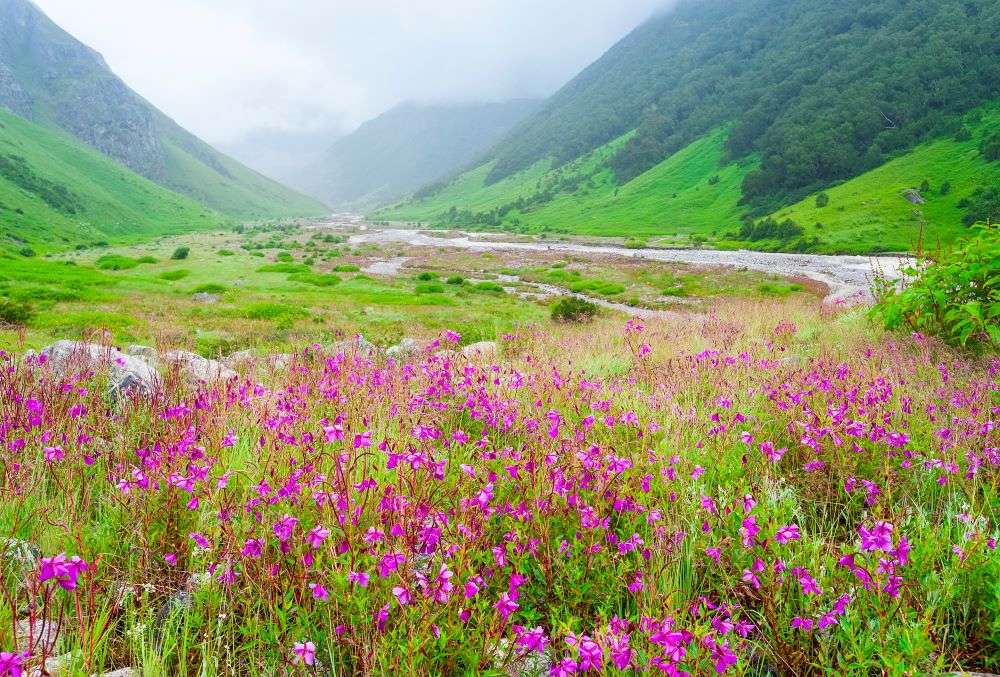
x: 408, y: 147
x: 717, y: 112
x: 50, y: 78
x: 56, y: 192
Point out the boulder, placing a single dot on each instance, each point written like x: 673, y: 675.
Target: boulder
x: 405, y: 348
x: 198, y: 369
x: 481, y: 349
x: 238, y: 358
x: 204, y: 297
x: 127, y: 374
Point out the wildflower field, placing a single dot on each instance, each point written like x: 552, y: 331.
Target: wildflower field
x: 777, y: 488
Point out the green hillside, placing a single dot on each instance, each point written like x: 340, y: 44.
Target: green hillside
x: 56, y: 192
x: 697, y: 192
x: 725, y: 120
x: 49, y: 77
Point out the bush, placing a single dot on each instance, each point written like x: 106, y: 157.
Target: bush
x: 945, y: 188
x: 456, y: 279
x: 956, y: 298
x: 771, y: 229
x: 822, y: 200
x: 284, y: 268
x: 226, y: 252
x: 429, y: 288
x: 573, y: 309
x: 427, y: 276
x: 27, y: 252
x: 180, y: 253
x: 492, y: 287
x: 273, y: 311
x: 982, y: 206
x: 15, y: 313
x: 116, y: 262
x: 991, y: 147
x: 346, y: 268
x: 315, y: 279
x: 146, y: 259
x: 285, y: 257
x: 210, y: 288
x: 174, y: 275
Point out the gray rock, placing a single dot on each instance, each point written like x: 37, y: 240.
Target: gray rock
x: 198, y: 369
x: 238, y: 358
x: 913, y: 196
x: 405, y: 348
x: 43, y: 633
x: 530, y: 664
x: 481, y: 349
x: 20, y: 553
x: 127, y: 374
x: 122, y: 672
x: 204, y: 297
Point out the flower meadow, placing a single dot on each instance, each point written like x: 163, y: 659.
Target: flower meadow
x: 664, y: 498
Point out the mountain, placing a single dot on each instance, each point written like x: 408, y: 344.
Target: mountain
x: 57, y: 192
x: 288, y: 156
x: 52, y: 79
x: 722, y: 111
x: 407, y: 147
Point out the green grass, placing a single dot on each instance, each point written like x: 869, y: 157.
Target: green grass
x: 870, y: 210
x: 104, y: 201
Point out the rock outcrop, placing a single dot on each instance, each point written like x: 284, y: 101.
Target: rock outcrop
x: 127, y: 374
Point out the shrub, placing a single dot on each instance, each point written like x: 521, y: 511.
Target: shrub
x: 456, y: 279
x: 982, y: 206
x: 210, y: 288
x: 226, y: 252
x: 429, y: 288
x: 174, y: 275
x: 822, y: 200
x: 771, y: 229
x: 180, y: 253
x: 573, y: 309
x: 146, y: 259
x: 285, y: 257
x: 116, y: 262
x: 15, y: 313
x: 945, y: 188
x: 315, y: 279
x: 956, y: 298
x: 427, y: 276
x: 346, y: 268
x: 492, y: 287
x: 925, y: 187
x: 713, y: 180
x: 991, y: 147
x: 27, y: 252
x: 273, y: 311
x: 635, y: 243
x: 284, y: 268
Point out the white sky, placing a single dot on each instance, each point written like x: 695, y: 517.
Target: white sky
x: 222, y: 67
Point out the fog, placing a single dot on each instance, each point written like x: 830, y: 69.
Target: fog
x: 225, y: 67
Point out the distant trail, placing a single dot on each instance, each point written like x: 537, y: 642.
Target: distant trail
x: 847, y: 277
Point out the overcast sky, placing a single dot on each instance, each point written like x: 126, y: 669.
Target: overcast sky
x: 222, y: 67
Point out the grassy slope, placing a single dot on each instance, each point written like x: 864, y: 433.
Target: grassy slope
x: 870, y: 208
x: 238, y: 191
x: 675, y: 198
x: 114, y: 203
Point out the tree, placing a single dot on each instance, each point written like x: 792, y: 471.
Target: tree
x: 822, y: 200
x: 180, y: 253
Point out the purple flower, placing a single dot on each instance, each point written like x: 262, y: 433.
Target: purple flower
x: 787, y: 533
x: 284, y: 527
x: 64, y: 571
x: 305, y: 653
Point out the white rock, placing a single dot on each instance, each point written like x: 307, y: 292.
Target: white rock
x: 197, y: 368
x: 407, y: 347
x: 481, y: 349
x: 127, y: 373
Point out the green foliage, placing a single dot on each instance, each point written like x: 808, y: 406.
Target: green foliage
x: 15, y: 313
x: 346, y: 268
x: 116, y: 262
x: 429, y: 288
x: 180, y: 253
x: 956, y: 298
x: 456, y: 279
x: 490, y: 287
x: 925, y: 187
x: 225, y: 252
x: 27, y: 252
x: 174, y: 275
x: 284, y: 268
x: 991, y: 147
x: 16, y: 169
x: 798, y: 80
x: 273, y: 311
x: 285, y: 257
x: 427, y: 276
x: 945, y: 188
x: 315, y: 279
x: 573, y: 309
x: 210, y: 288
x: 146, y: 259
x: 982, y: 206
x: 822, y: 200
x: 771, y: 229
